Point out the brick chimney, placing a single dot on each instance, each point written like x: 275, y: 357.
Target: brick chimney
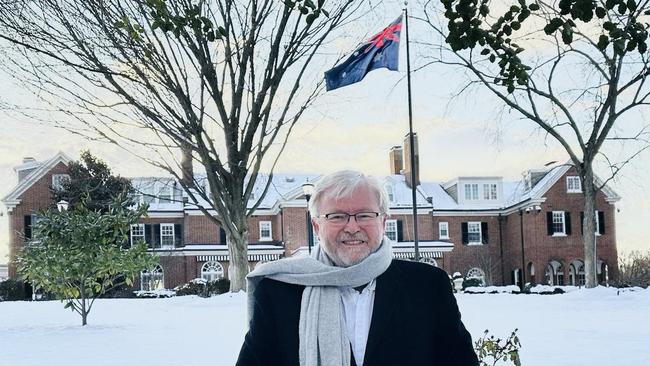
x: 396, y: 160
x: 407, y: 161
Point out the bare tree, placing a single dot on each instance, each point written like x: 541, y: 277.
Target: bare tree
x: 486, y: 262
x: 217, y: 79
x: 575, y: 69
x: 634, y: 269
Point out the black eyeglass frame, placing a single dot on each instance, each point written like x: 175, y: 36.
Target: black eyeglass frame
x: 328, y: 218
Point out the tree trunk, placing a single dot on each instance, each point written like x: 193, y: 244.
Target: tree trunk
x: 589, y: 226
x: 84, y: 312
x: 238, y: 250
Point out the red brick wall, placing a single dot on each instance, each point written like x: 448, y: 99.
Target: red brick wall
x: 540, y: 248
x: 254, y: 228
x: 464, y: 256
x: 425, y: 226
x: 295, y: 228
x: 200, y: 230
x: 36, y: 198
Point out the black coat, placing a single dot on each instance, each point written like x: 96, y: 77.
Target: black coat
x: 415, y: 321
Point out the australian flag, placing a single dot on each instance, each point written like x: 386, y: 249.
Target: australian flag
x: 381, y: 50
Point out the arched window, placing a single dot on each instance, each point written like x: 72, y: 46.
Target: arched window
x: 476, y: 273
x: 152, y: 280
x: 211, y: 271
x: 531, y: 272
x: 576, y: 273
x: 430, y: 261
x: 554, y: 273
x: 602, y: 272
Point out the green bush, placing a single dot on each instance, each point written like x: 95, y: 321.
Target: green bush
x: 472, y: 282
x: 203, y: 288
x: 490, y: 350
x: 13, y: 290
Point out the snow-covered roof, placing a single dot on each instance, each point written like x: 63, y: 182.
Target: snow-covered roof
x: 286, y: 188
x: 12, y: 199
x: 283, y: 187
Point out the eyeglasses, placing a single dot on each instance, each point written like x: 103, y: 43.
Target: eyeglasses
x: 342, y: 218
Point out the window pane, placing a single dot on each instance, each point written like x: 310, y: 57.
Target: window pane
x: 165, y: 194
x: 391, y: 229
x: 474, y: 232
x: 443, y: 230
x: 558, y: 222
x: 265, y: 230
x: 167, y: 235
x: 137, y: 233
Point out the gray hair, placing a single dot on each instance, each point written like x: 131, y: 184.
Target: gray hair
x: 342, y: 184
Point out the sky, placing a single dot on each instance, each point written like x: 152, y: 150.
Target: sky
x: 354, y: 127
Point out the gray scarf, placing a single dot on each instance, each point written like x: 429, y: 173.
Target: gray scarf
x: 323, y: 339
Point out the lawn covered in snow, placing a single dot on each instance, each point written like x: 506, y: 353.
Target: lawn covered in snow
x: 586, y: 327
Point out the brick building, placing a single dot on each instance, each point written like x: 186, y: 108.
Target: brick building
x: 479, y: 226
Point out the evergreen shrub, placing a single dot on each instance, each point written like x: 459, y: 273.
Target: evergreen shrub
x: 13, y: 290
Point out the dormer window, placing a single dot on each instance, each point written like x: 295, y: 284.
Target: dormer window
x: 490, y: 191
x: 391, y: 193
x: 165, y: 193
x: 58, y: 180
x: 471, y: 192
x: 573, y: 184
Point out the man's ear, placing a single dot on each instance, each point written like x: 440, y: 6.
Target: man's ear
x: 383, y: 221
x: 315, y: 226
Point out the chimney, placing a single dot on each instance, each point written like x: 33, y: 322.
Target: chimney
x: 396, y: 160
x: 26, y: 168
x: 187, y: 171
x: 407, y: 161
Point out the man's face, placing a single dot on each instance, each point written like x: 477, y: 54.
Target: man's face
x: 349, y: 243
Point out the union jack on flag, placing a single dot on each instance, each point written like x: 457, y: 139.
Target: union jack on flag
x: 381, y: 50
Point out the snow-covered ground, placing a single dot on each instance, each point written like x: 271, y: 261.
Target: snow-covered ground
x: 584, y: 327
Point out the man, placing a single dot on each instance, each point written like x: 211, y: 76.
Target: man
x: 350, y: 303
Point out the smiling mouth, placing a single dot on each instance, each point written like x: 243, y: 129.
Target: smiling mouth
x: 353, y: 242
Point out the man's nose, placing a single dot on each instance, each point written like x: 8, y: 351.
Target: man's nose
x: 352, y: 225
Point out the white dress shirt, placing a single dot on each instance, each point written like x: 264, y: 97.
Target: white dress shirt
x: 357, y: 312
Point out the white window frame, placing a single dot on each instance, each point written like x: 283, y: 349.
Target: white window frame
x: 444, y: 226
x: 573, y: 184
x: 391, y: 229
x: 147, y: 194
x: 266, y: 225
x: 162, y: 187
x: 562, y: 215
x: 212, y: 271
x: 57, y: 181
x: 164, y: 233
x: 154, y: 280
x: 489, y: 191
x: 476, y: 224
x: 597, y: 228
x: 471, y: 191
x: 134, y: 237
x: 390, y: 191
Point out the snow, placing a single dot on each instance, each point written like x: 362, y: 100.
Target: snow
x: 602, y: 326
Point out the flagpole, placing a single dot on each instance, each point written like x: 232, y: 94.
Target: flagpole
x: 411, y: 139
